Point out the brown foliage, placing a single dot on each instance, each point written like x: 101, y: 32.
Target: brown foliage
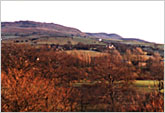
x: 40, y: 80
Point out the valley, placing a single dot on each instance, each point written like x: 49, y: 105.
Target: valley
x: 52, y: 68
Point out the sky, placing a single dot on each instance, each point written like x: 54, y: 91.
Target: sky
x: 129, y: 19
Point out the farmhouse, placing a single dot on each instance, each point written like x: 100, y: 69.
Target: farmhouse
x: 110, y: 46
x: 142, y: 64
x: 100, y: 39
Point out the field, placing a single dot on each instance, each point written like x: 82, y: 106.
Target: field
x: 147, y: 85
x: 52, y: 40
x: 143, y: 86
x: 85, y: 53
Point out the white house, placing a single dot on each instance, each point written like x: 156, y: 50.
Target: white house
x: 100, y: 39
x: 111, y: 46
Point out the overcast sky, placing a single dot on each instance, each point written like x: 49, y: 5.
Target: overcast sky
x: 130, y: 19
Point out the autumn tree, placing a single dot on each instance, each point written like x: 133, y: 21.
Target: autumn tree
x: 156, y: 68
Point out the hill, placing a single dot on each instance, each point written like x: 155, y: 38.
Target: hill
x: 106, y: 36
x: 114, y: 36
x: 27, y: 28
x: 49, y: 33
x: 31, y: 28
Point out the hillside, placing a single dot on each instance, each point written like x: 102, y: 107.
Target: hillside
x: 29, y: 28
x: 106, y: 36
x: 114, y: 37
x: 26, y: 28
x: 49, y: 33
x: 19, y: 29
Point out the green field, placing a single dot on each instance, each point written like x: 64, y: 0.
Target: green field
x: 144, y: 86
x: 147, y: 85
x: 85, y: 53
x: 54, y: 40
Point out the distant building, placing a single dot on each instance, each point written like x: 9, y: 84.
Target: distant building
x: 127, y: 62
x: 100, y: 39
x: 142, y: 64
x: 110, y: 46
x: 59, y: 48
x: 144, y: 53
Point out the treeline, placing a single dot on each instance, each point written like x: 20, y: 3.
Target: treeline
x: 40, y: 80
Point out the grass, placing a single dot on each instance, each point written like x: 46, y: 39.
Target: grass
x: 144, y: 86
x: 55, y: 40
x: 87, y: 41
x: 146, y: 83
x: 85, y: 53
x: 75, y: 40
